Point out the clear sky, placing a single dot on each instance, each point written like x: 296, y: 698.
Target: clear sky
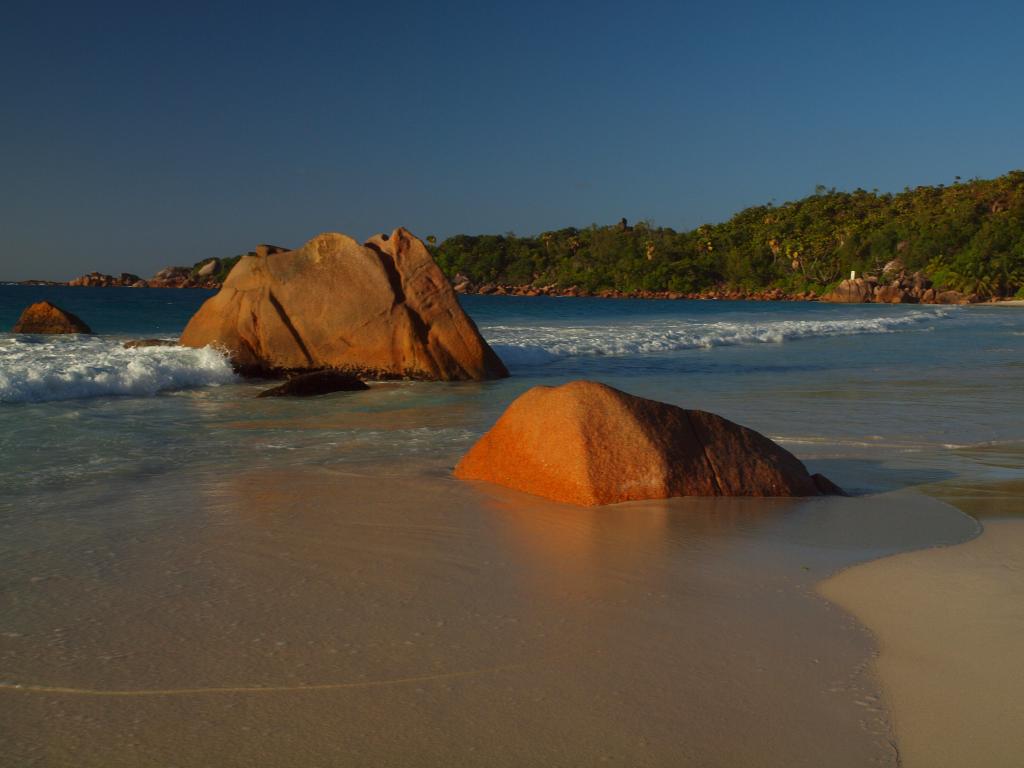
x: 138, y: 135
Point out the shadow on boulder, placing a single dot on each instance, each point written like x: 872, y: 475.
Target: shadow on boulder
x: 588, y: 444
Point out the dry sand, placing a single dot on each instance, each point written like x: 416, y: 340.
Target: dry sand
x: 950, y: 628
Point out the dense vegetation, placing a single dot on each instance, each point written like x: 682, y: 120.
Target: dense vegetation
x: 224, y: 266
x: 968, y: 236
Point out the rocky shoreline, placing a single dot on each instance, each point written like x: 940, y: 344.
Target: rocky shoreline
x: 209, y: 274
x: 853, y: 291
x: 171, y: 277
x: 895, y: 286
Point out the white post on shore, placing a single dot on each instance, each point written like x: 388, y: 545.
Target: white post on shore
x: 853, y: 274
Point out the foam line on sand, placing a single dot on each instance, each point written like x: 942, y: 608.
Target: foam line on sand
x: 71, y: 691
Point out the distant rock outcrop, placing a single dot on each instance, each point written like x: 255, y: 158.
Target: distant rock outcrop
x: 586, y: 443
x: 208, y: 269
x: 44, y: 317
x: 381, y: 310
x: 99, y: 280
x: 171, y: 277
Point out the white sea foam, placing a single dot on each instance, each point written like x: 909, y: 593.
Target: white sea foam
x: 66, y: 368
x: 527, y: 346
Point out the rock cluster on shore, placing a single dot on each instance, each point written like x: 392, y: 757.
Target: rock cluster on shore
x: 99, y: 280
x: 382, y: 309
x: 895, y: 287
x: 205, y: 274
x: 589, y: 444
x: 462, y: 284
x: 170, y: 277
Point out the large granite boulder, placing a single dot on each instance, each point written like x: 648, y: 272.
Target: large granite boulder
x: 586, y: 443
x: 379, y: 310
x: 44, y: 317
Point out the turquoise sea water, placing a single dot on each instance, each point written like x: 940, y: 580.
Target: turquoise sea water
x: 877, y: 395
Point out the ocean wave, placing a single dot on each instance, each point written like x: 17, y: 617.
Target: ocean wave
x: 68, y: 368
x: 529, y: 346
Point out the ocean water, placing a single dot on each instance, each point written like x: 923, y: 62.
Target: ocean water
x: 910, y: 389
x: 192, y: 575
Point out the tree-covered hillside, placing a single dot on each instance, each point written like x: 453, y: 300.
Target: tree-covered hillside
x: 967, y: 236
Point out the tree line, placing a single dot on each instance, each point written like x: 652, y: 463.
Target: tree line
x: 967, y: 236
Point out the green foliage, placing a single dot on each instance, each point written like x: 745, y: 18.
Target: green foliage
x: 226, y: 265
x: 223, y: 267
x: 968, y: 236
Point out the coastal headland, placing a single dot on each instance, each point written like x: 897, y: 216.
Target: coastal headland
x: 942, y: 244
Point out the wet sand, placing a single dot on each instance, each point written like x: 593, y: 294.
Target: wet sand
x: 950, y: 624
x: 356, y: 615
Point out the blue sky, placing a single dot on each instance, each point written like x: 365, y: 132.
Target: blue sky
x: 137, y: 135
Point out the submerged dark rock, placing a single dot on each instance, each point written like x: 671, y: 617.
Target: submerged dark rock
x: 316, y: 383
x: 137, y: 343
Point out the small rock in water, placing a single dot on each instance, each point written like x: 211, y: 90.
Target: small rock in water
x: 316, y: 383
x: 44, y: 317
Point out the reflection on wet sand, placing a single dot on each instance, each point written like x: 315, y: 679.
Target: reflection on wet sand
x: 401, y: 617
x: 578, y: 547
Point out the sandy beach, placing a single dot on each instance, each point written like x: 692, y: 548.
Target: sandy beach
x: 408, y: 619
x: 949, y: 624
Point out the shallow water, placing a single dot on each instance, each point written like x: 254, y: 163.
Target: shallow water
x: 880, y: 396
x: 164, y: 530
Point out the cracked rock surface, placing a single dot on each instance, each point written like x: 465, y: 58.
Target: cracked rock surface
x: 586, y: 443
x: 378, y: 310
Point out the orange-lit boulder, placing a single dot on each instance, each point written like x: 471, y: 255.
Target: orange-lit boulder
x: 586, y: 443
x: 44, y: 317
x: 380, y: 310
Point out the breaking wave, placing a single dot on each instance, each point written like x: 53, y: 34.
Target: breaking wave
x: 67, y: 368
x: 525, y: 346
